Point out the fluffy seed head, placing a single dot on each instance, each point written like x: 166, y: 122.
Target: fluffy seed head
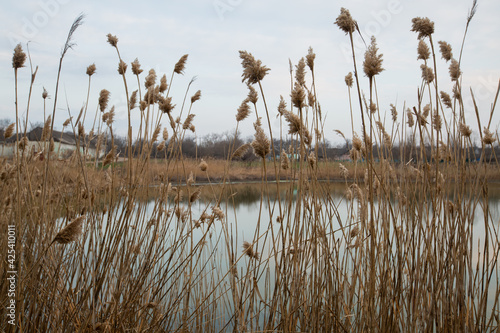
x: 252, y: 94
x: 349, y: 80
x: 298, y: 96
x: 423, y: 26
x: 112, y: 40
x: 373, y: 62
x: 165, y: 134
x: 285, y: 161
x: 282, y: 107
x: 310, y: 59
x: 253, y: 70
x: 91, y: 70
x: 394, y: 113
x: 71, y: 232
x: 166, y: 105
x: 261, y: 144
x: 312, y: 160
x: 46, y: 129
x: 196, y: 96
x: 150, y: 79
x: 9, y: 131
x: 445, y: 50
x: 454, y: 70
x: 243, y: 111
x: 241, y: 151
x: 133, y: 100
x: 423, y: 50
x: 488, y: 138
x: 187, y: 122
x: 446, y: 99
x: 19, y: 57
x: 136, y: 67
x: 103, y: 99
x: 427, y: 74
x: 181, y: 64
x: 409, y: 115
x: 122, y: 67
x: 203, y: 165
x: 163, y: 83
x: 464, y: 130
x: 249, y: 251
x: 300, y: 72
x: 345, y: 21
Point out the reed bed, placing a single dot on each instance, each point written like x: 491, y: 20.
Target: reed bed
x: 102, y: 249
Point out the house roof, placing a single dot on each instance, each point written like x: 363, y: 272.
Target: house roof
x: 62, y: 137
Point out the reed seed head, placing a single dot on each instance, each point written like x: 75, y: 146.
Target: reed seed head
x: 488, y: 138
x: 464, y: 130
x: 454, y: 70
x: 166, y: 105
x: 46, y: 129
x: 410, y: 120
x: 19, y: 57
x: 196, y: 96
x: 195, y: 195
x: 312, y: 160
x: 310, y: 59
x: 133, y: 100
x: 67, y: 121
x: 253, y: 70
x: 394, y: 113
x: 163, y: 83
x: 349, y: 80
x: 71, y: 232
x: 437, y: 122
x: 241, y: 151
x: 136, y: 67
x: 112, y: 40
x: 243, y: 111
x: 300, y: 72
x: 373, y: 62
x: 203, y: 165
x: 282, y: 106
x: 261, y: 144
x: 445, y: 50
x: 298, y: 96
x: 423, y: 26
x: 188, y: 121
x: 345, y: 21
x: 9, y: 131
x: 165, y: 134
x: 249, y: 251
x: 427, y: 74
x: 285, y: 161
x: 423, y: 50
x: 180, y: 65
x: 150, y: 79
x: 253, y: 97
x: 122, y: 67
x: 91, y: 70
x: 446, y: 99
x: 45, y: 94
x: 103, y: 99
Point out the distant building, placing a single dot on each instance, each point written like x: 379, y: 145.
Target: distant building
x: 64, y: 144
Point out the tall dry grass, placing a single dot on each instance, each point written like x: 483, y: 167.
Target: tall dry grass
x: 102, y: 250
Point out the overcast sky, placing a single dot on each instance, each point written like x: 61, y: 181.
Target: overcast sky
x: 212, y: 32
